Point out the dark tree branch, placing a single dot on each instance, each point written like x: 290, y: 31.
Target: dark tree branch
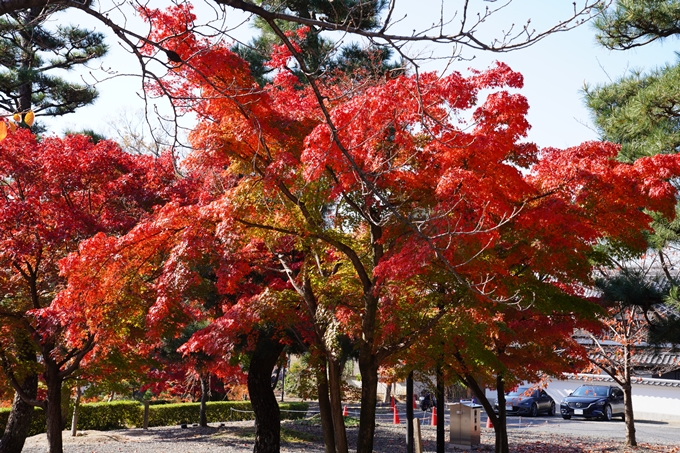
x: 16, y: 386
x: 75, y: 364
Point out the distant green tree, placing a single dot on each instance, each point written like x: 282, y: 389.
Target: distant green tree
x: 96, y: 137
x: 641, y: 112
x: 30, y: 52
x: 634, y: 23
x: 321, y: 55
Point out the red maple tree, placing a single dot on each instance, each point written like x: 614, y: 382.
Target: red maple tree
x: 361, y: 209
x: 382, y: 182
x: 55, y: 193
x: 192, y: 267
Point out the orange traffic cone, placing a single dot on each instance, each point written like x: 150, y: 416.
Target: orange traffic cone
x: 395, y: 419
x: 434, y: 416
x: 415, y: 402
x: 344, y: 411
x: 488, y: 422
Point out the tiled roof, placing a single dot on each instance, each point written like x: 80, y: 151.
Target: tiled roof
x: 645, y: 355
x: 636, y: 380
x: 657, y: 359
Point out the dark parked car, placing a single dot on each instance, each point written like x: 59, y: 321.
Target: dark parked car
x: 528, y: 401
x: 593, y: 401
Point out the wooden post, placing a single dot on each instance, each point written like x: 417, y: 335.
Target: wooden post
x: 146, y: 414
x: 417, y: 439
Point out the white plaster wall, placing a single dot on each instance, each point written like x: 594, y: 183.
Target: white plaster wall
x: 399, y: 389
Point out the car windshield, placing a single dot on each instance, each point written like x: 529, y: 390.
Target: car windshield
x: 521, y: 391
x: 591, y: 390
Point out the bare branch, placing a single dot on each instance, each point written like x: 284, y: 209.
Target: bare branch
x: 465, y: 36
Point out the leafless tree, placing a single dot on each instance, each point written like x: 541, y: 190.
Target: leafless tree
x: 634, y: 302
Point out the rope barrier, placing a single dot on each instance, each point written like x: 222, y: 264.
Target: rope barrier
x: 351, y: 412
x: 238, y: 410
x: 280, y: 410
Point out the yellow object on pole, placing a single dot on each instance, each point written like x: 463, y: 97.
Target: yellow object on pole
x: 29, y: 118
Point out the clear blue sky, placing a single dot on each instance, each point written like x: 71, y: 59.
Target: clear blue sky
x: 555, y: 69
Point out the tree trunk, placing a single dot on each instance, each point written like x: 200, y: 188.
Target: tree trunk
x: 325, y: 409
x: 409, y: 413
x: 368, y: 366
x: 500, y: 426
x: 20, y: 416
x: 368, y: 360
x: 74, y: 419
x: 388, y: 393
x: 54, y: 416
x: 27, y: 60
x: 205, y: 391
x: 441, y: 440
x: 334, y: 384
x: 631, y: 440
x: 267, y: 416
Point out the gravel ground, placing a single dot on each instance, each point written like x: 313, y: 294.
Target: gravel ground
x: 237, y: 437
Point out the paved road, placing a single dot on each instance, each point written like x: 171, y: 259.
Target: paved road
x: 666, y: 433
x: 657, y: 432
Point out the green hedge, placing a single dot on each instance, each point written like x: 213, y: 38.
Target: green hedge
x: 106, y: 416
x: 217, y: 411
x: 38, y: 422
x: 130, y: 414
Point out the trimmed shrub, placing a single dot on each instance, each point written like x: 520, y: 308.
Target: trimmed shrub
x: 216, y: 411
x: 106, y: 416
x: 130, y: 414
x: 38, y: 422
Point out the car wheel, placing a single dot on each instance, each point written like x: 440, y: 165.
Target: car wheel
x: 551, y: 411
x: 534, y: 410
x: 607, y: 413
x: 566, y: 417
